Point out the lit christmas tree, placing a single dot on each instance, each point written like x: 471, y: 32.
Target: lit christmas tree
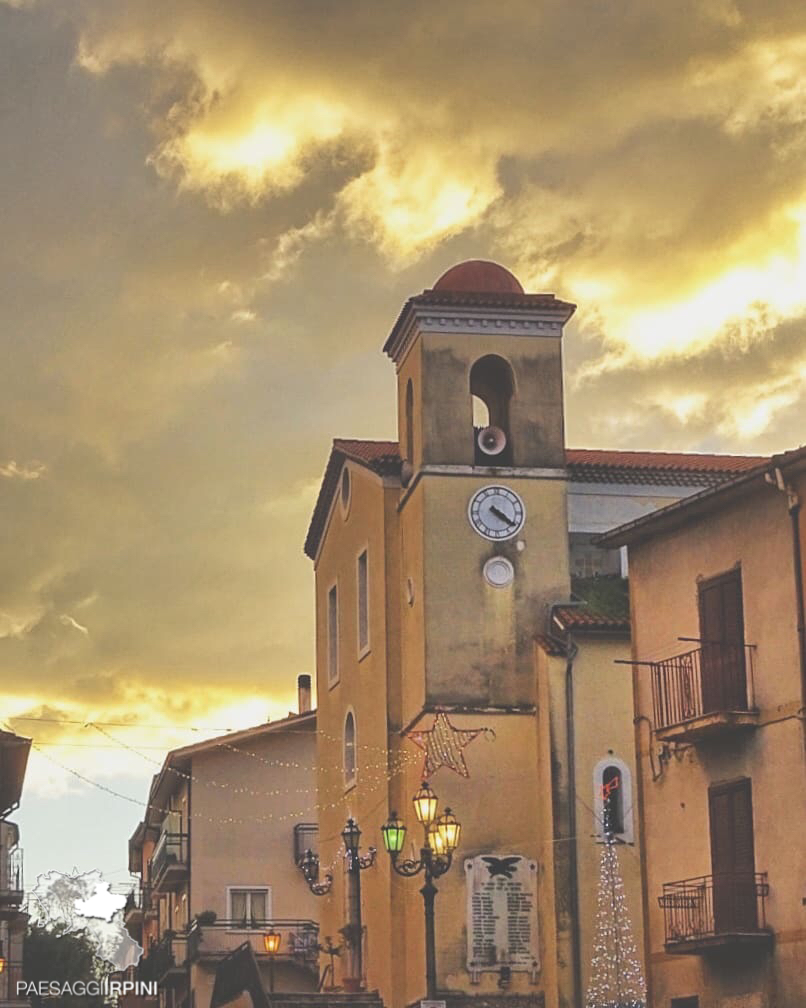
x: 616, y: 977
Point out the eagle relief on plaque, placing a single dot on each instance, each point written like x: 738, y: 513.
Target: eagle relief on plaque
x: 502, y: 915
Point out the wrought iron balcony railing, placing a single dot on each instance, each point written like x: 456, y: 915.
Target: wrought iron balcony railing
x: 12, y: 888
x: 703, y: 690
x: 164, y: 957
x: 299, y: 939
x: 712, y: 911
x: 10, y: 976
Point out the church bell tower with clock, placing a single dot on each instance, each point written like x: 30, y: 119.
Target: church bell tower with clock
x: 483, y: 514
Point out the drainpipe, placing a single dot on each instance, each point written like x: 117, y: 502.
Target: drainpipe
x: 776, y: 479
x: 573, y: 868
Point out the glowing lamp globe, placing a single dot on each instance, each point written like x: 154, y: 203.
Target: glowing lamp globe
x: 448, y: 829
x: 394, y: 834
x: 425, y: 805
x: 271, y: 942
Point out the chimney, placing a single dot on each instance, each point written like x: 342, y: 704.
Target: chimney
x: 303, y: 693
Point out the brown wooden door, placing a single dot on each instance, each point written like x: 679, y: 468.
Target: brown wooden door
x: 722, y: 667
x: 733, y: 857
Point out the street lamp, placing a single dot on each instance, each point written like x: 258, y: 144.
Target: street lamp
x: 271, y: 943
x: 354, y: 931
x: 356, y: 863
x: 440, y: 840
x: 309, y: 866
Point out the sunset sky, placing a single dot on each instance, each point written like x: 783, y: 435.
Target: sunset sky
x: 210, y: 216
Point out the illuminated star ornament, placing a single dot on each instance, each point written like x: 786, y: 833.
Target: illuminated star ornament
x: 443, y: 745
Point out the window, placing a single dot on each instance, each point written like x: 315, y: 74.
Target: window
x: 685, y: 1002
x: 362, y: 576
x: 613, y: 795
x: 409, y: 423
x: 345, y: 490
x: 249, y: 907
x: 612, y: 798
x: 350, y: 769
x: 333, y: 635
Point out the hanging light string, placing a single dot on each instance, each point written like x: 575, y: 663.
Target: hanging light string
x: 296, y: 815
x: 369, y: 771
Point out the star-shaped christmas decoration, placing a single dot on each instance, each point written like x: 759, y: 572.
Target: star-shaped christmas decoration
x: 443, y: 745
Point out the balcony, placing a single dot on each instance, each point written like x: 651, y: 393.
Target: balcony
x: 703, y: 693
x: 715, y: 912
x: 10, y: 976
x: 165, y: 961
x: 168, y: 866
x: 12, y: 889
x: 299, y: 941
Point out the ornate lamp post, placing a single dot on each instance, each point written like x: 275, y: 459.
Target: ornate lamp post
x: 354, y: 932
x: 440, y: 840
x: 356, y: 863
x: 271, y: 943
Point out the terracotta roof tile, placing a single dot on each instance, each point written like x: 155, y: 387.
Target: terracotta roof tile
x: 585, y: 618
x: 600, y: 466
x: 553, y: 647
x: 382, y: 457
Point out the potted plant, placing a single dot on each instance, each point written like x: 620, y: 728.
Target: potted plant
x: 206, y: 917
x: 352, y: 935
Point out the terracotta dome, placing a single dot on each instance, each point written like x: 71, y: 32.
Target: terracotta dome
x: 479, y: 277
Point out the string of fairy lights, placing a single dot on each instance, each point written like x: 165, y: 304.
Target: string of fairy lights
x: 401, y: 759
x: 372, y: 776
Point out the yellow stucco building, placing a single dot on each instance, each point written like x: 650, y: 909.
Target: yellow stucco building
x: 720, y: 697
x: 444, y: 564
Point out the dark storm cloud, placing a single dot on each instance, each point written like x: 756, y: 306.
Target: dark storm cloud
x: 211, y: 215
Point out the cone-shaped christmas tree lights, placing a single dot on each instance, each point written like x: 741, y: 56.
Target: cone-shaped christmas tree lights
x: 616, y: 977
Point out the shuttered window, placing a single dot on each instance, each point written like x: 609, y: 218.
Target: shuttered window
x: 724, y: 683
x: 333, y: 635
x: 732, y: 856
x: 362, y: 578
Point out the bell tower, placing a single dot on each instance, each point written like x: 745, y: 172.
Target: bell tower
x: 484, y: 532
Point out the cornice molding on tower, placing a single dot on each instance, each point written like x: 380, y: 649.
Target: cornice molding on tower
x: 476, y: 472
x: 544, y: 316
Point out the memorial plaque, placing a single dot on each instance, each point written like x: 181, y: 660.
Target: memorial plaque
x: 502, y: 913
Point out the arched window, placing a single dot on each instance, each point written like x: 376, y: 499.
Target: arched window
x: 492, y: 386
x: 409, y: 422
x: 350, y: 768
x: 612, y: 798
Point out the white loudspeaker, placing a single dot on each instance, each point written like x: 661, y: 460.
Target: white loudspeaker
x: 406, y: 472
x: 492, y: 440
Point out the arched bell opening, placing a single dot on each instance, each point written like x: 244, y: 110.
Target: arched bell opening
x: 492, y: 386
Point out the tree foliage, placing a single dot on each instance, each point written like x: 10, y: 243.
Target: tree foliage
x: 52, y: 953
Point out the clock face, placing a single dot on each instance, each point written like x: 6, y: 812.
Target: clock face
x: 496, y: 512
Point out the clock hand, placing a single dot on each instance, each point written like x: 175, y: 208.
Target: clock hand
x: 500, y: 514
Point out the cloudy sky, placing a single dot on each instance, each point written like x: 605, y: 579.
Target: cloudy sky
x: 211, y: 214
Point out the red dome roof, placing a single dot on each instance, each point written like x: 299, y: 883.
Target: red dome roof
x: 479, y: 277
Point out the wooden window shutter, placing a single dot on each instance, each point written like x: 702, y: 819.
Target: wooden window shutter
x: 732, y: 856
x: 724, y: 681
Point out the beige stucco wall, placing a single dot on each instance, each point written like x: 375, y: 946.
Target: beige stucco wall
x: 755, y: 533
x: 603, y: 729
